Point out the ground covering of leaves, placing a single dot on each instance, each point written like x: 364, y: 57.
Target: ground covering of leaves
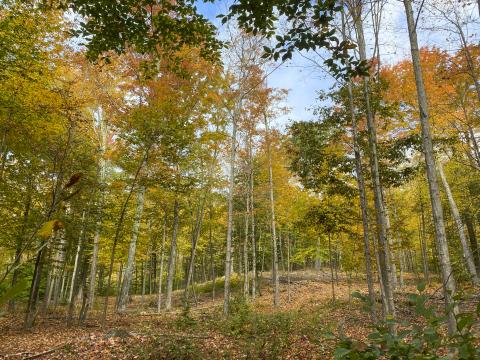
x: 294, y: 330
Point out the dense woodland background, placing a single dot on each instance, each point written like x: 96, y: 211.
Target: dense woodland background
x: 144, y: 185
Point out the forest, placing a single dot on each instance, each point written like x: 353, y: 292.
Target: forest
x: 169, y: 192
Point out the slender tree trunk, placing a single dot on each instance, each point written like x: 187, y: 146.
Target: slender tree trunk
x: 380, y: 279
x: 119, y: 229
x: 402, y: 267
x: 252, y: 218
x: 77, y: 257
x: 467, y: 254
x: 332, y: 280
x: 246, y: 285
x: 119, y: 278
x: 231, y: 188
x: 437, y: 210
x: 377, y: 189
x: 473, y: 240
x: 144, y: 280
x: 363, y: 199
x: 172, y: 258
x: 469, y: 59
x: 280, y: 249
x: 275, y: 277
x: 76, y: 282
x: 198, y: 226
x: 127, y: 279
x: 210, y: 246
x: 60, y: 267
x: 288, y: 267
x: 103, y: 130
x: 423, y: 242
x: 391, y: 258
x: 162, y: 257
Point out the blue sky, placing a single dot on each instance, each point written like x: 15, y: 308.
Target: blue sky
x: 304, y: 81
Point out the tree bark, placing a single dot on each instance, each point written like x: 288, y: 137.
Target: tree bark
x: 473, y: 240
x: 437, y: 210
x: 467, y: 254
x: 172, y: 258
x: 275, y: 277
x: 377, y: 189
x: 252, y: 217
x: 123, y: 299
x: 332, y: 281
x: 288, y: 267
x: 231, y: 188
x: 77, y: 257
x: 162, y: 257
x: 246, y: 285
x: 362, y: 192
x: 119, y: 229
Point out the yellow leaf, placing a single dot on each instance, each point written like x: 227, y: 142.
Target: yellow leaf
x: 47, y: 228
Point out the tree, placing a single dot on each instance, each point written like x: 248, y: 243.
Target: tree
x: 442, y: 248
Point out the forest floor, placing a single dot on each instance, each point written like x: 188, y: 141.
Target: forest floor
x: 294, y: 330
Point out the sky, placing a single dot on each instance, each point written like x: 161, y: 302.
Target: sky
x: 304, y: 80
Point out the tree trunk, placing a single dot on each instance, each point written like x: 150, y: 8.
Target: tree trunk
x: 162, y: 257
x: 332, y: 281
x: 252, y: 218
x: 119, y: 228
x: 103, y: 130
x: 246, y: 285
x: 467, y: 254
x: 391, y: 258
x: 231, y: 188
x: 123, y: 299
x: 77, y: 277
x: 144, y: 280
x: 172, y: 258
x: 362, y: 193
x: 197, y: 230
x: 288, y: 267
x: 275, y: 277
x: 423, y: 243
x: 377, y: 189
x: 380, y: 279
x: 437, y: 210
x: 473, y: 240
x: 210, y: 247
x: 77, y: 257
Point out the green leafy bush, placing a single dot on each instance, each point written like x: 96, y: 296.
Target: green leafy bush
x: 423, y: 340
x: 263, y: 335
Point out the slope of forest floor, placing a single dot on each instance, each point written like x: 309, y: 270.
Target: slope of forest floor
x: 294, y: 330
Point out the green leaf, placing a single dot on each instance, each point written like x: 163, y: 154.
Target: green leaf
x: 340, y: 353
x: 329, y: 336
x: 466, y: 320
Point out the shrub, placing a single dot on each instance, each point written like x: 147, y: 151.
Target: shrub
x: 414, y: 341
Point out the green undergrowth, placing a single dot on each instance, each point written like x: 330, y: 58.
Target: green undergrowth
x: 246, y: 333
